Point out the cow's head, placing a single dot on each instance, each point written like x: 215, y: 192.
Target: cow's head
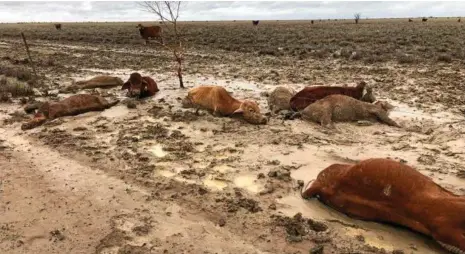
x: 39, y: 119
x: 251, y: 112
x: 134, y: 85
x: 361, y: 85
x: 386, y: 106
x: 368, y: 95
x: 187, y: 102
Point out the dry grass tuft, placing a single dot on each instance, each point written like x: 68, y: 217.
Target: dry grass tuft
x: 14, y: 87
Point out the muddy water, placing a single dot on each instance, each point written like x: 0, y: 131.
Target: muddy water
x: 157, y: 150
x: 116, y: 111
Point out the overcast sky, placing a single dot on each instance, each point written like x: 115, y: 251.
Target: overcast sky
x: 239, y: 10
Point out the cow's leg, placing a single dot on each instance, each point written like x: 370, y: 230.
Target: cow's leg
x: 326, y: 121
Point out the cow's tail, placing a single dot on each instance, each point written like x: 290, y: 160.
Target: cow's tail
x: 307, y: 193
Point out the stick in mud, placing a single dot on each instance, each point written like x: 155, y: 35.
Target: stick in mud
x: 29, y: 55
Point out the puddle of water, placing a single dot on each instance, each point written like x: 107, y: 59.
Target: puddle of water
x: 248, y: 182
x: 223, y: 168
x: 166, y: 173
x: 375, y: 234
x: 370, y: 239
x: 116, y: 111
x: 214, y: 184
x: 404, y: 111
x: 157, y: 150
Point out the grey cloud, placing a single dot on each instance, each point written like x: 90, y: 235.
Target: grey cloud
x: 130, y: 11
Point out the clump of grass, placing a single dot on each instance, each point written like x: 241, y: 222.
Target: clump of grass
x: 444, y: 58
x: 18, y: 73
x: 405, y: 59
x: 14, y: 87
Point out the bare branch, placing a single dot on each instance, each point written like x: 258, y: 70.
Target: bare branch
x: 168, y: 13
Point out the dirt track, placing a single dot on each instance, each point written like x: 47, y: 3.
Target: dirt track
x: 160, y: 179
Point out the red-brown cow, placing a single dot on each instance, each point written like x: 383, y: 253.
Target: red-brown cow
x: 140, y: 86
x: 310, y: 94
x: 73, y: 105
x: 385, y: 190
x: 217, y: 100
x: 147, y: 32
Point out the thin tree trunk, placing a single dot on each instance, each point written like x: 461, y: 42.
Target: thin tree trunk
x: 29, y: 55
x: 181, y: 83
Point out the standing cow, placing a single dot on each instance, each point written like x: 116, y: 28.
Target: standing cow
x: 147, y: 32
x: 255, y: 22
x: 424, y: 19
x: 58, y: 26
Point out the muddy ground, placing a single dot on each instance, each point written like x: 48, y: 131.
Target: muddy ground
x: 159, y: 179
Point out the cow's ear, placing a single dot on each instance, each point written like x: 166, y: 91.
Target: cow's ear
x: 125, y: 85
x: 240, y: 109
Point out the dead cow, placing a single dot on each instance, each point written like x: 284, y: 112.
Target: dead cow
x: 279, y: 99
x: 341, y: 108
x: 217, y: 100
x: 385, y: 190
x: 310, y: 94
x: 103, y: 81
x: 73, y: 105
x: 58, y: 26
x: 140, y: 86
x: 147, y: 32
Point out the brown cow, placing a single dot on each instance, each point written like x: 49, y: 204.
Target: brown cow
x: 217, y: 100
x: 385, y: 190
x: 147, y: 32
x: 424, y: 19
x: 410, y: 20
x: 279, y: 99
x: 310, y: 94
x: 255, y: 22
x: 102, y: 81
x: 341, y: 108
x: 140, y: 86
x: 58, y: 26
x: 73, y: 105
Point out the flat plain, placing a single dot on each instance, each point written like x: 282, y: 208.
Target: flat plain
x: 160, y: 179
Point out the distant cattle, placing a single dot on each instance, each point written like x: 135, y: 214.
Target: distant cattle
x: 220, y: 103
x: 424, y: 19
x: 255, y: 22
x: 310, y: 94
x: 147, y: 32
x: 58, y: 26
x: 140, y: 86
x: 410, y: 20
x: 458, y: 20
x: 312, y: 22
